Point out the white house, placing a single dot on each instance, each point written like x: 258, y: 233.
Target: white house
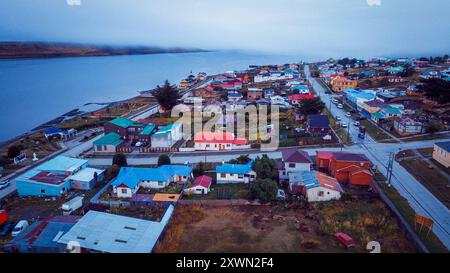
x: 218, y: 141
x: 293, y: 161
x: 131, y: 179
x: 235, y: 173
x: 315, y: 186
x: 167, y: 136
x: 201, y: 185
x: 441, y: 153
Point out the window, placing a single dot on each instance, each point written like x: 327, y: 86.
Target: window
x: 320, y: 193
x: 99, y: 148
x: 223, y: 175
x: 160, y: 183
x: 240, y: 176
x: 124, y: 191
x: 291, y: 165
x: 42, y: 190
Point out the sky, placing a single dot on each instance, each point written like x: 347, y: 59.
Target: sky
x: 335, y: 28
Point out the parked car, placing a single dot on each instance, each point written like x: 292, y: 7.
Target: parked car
x: 340, y: 106
x: 361, y: 135
x: 138, y: 144
x: 356, y: 123
x: 362, y: 129
x: 348, y: 114
x: 335, y: 101
x: 4, y: 184
x: 344, y: 124
x: 343, y: 238
x: 338, y: 118
x: 23, y: 224
x: 7, y: 228
x: 361, y: 118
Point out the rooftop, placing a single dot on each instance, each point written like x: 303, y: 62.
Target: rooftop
x: 86, y: 174
x: 110, y: 139
x: 124, y: 122
x: 444, y: 145
x: 235, y: 168
x: 62, y: 164
x: 294, y: 155
x: 111, y: 233
x: 318, y: 121
x: 49, y: 178
x: 345, y: 156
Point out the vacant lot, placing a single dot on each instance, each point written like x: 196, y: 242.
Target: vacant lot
x: 434, y: 181
x: 284, y: 230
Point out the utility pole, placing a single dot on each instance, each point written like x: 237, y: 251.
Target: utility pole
x: 390, y: 168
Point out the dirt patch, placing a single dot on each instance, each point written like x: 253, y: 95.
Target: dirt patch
x: 281, y: 229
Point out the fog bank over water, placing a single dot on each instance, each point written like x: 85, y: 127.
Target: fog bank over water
x: 318, y: 28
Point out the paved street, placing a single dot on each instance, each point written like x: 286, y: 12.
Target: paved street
x: 420, y: 199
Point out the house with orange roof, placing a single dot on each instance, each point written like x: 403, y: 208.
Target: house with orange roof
x: 218, y: 141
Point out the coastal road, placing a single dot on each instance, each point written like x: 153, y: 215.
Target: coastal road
x: 420, y: 199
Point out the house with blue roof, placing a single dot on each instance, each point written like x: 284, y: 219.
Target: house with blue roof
x: 235, y: 173
x: 108, y: 143
x: 166, y: 136
x: 130, y: 179
x: 357, y: 98
x: 57, y: 176
x: 302, y: 89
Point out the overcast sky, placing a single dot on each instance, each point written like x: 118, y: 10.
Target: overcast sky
x: 331, y: 27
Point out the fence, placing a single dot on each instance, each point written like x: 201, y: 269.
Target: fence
x: 158, y: 150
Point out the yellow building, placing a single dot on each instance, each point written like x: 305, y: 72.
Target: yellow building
x: 339, y: 83
x: 184, y: 84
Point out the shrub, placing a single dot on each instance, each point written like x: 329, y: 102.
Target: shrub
x: 164, y: 160
x: 265, y: 190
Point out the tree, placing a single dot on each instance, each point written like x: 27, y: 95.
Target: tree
x: 164, y: 160
x: 408, y: 72
x: 242, y: 159
x: 265, y: 190
x: 437, y: 90
x: 167, y: 95
x: 14, y: 151
x: 433, y: 127
x: 311, y: 106
x: 120, y: 160
x: 265, y: 167
x: 199, y: 169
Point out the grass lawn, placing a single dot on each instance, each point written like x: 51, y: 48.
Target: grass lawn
x: 440, y: 166
x: 374, y: 131
x: 433, y: 244
x: 283, y: 229
x: 435, y: 182
x: 222, y: 191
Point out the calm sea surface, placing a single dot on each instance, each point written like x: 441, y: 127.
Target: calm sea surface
x: 35, y: 91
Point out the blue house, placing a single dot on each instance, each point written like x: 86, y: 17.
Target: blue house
x: 56, y: 176
x: 235, y: 173
x: 131, y: 179
x: 358, y: 97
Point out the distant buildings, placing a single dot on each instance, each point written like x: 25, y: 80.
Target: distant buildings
x: 57, y: 176
x: 340, y: 83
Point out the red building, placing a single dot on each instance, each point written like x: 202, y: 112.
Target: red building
x: 347, y: 168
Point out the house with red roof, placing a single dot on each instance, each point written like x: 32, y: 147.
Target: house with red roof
x: 218, y: 141
x: 293, y: 160
x: 201, y: 185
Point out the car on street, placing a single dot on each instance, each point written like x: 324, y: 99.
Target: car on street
x: 4, y: 184
x: 340, y: 106
x: 356, y: 123
x: 361, y: 135
x: 344, y: 124
x: 362, y: 129
x: 361, y: 118
x: 22, y: 225
x: 338, y: 118
x: 6, y: 228
x: 348, y: 114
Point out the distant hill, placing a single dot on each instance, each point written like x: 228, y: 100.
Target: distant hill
x: 10, y: 50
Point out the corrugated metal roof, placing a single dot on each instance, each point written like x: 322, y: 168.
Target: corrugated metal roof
x: 109, y: 139
x: 111, y: 233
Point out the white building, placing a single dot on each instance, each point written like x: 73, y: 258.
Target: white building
x: 218, y: 141
x: 315, y: 186
x: 235, y: 173
x: 167, y: 136
x: 293, y: 161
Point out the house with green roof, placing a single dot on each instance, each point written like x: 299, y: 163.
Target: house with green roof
x: 108, y: 143
x: 130, y: 130
x: 166, y: 136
